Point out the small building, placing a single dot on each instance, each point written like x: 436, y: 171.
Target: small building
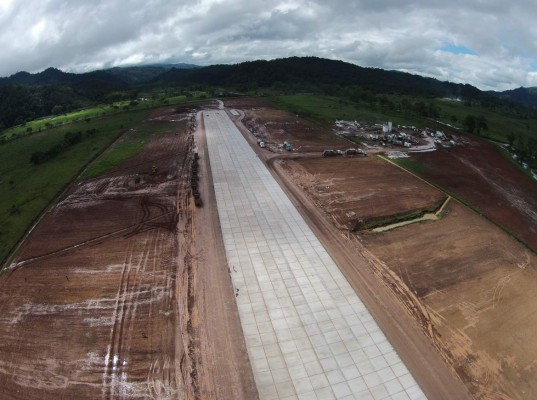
x: 387, y: 127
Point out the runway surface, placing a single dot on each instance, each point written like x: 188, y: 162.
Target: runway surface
x: 308, y: 334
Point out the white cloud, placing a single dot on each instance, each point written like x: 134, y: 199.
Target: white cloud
x: 80, y: 35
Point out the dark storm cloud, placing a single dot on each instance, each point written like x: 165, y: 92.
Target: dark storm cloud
x: 420, y: 36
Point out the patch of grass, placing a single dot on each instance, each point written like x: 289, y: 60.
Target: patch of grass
x: 499, y: 124
x: 89, y: 114
x: 410, y: 165
x: 328, y: 109
x: 128, y: 146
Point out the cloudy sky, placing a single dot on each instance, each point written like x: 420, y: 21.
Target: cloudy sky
x: 489, y: 43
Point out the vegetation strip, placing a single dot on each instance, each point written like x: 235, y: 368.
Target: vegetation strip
x: 425, y: 216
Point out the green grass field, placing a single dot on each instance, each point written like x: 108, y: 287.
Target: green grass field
x: 499, y: 125
x: 91, y: 113
x: 327, y: 109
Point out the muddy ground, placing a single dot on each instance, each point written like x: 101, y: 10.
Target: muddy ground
x: 109, y: 298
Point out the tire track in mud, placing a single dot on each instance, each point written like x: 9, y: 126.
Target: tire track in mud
x: 129, y: 291
x: 114, y: 313
x: 147, y: 223
x: 131, y: 287
x: 110, y: 358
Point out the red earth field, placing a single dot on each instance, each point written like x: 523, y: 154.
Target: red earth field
x: 276, y: 126
x: 355, y: 191
x: 479, y: 174
x: 106, y: 298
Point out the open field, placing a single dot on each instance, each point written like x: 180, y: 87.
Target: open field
x: 91, y: 113
x: 114, y: 295
x: 357, y: 191
x: 477, y: 173
x: 276, y: 126
x: 499, y: 125
x: 326, y: 108
x: 476, y: 286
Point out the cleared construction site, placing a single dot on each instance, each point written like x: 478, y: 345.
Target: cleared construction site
x: 211, y: 267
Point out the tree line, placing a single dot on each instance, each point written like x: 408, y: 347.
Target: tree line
x: 69, y: 140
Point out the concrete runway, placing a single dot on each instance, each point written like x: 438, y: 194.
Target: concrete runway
x: 308, y: 334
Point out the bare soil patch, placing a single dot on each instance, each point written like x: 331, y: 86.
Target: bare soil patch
x: 356, y: 191
x: 481, y: 176
x: 276, y: 127
x: 477, y: 289
x: 107, y: 298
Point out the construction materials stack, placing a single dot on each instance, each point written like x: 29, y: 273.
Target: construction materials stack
x: 194, y: 179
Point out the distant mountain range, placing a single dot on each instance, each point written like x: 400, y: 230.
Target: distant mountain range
x: 304, y: 71
x: 120, y: 76
x: 145, y: 73
x: 294, y: 71
x: 524, y: 96
x: 25, y: 96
